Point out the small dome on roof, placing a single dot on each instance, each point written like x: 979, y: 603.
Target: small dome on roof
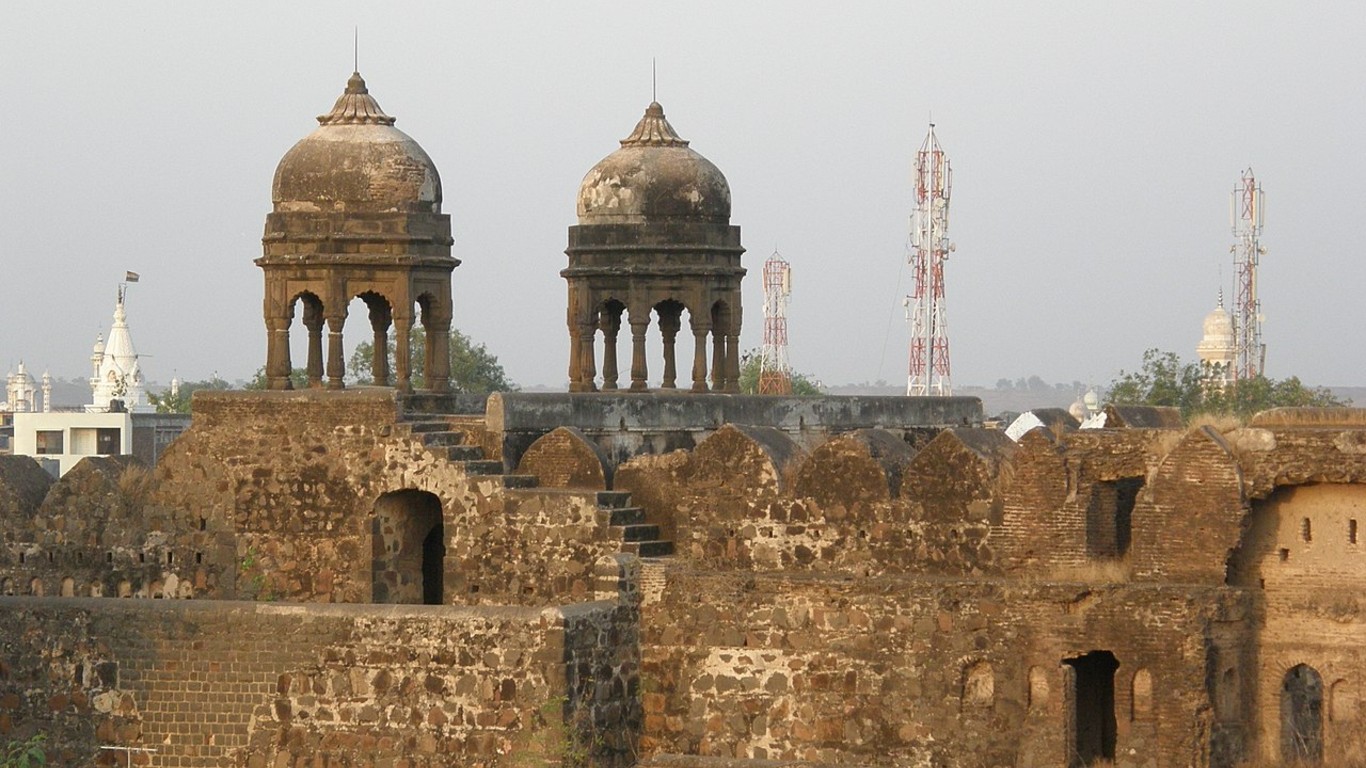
x: 655, y: 176
x: 356, y: 161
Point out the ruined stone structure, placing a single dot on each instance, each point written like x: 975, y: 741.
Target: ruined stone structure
x: 371, y: 578
x: 654, y: 237
x: 357, y: 215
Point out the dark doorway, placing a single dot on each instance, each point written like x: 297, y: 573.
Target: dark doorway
x: 1109, y: 517
x: 1093, y: 708
x: 408, y: 547
x: 1302, y: 716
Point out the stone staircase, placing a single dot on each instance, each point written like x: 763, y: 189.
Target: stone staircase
x: 440, y: 436
x: 627, y: 522
x: 447, y: 436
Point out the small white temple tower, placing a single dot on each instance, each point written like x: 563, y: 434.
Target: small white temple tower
x: 1218, y: 347
x: 115, y: 374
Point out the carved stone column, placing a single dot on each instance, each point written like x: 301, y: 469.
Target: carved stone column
x: 336, y: 367
x: 436, y: 368
x: 379, y: 366
x: 668, y: 327
x: 733, y: 362
x: 609, y: 320
x: 699, y: 358
x: 587, y: 357
x: 403, y: 326
x: 640, y: 323
x: 718, y: 359
x: 313, y: 322
x: 277, y: 353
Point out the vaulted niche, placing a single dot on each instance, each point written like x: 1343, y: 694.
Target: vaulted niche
x: 1302, y: 716
x: 1109, y: 517
x: 409, y: 549
x: 1091, y: 710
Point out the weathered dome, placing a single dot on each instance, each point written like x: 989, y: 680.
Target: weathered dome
x: 356, y: 161
x: 1218, y: 326
x: 655, y: 176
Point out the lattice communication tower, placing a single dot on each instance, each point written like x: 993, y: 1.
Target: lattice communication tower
x: 930, y: 247
x: 775, y: 377
x: 1247, y: 213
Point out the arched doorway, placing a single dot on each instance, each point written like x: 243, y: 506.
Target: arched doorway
x: 409, y: 549
x: 1091, y: 715
x: 1302, y: 715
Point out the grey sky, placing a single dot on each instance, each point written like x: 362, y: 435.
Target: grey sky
x: 1094, y: 148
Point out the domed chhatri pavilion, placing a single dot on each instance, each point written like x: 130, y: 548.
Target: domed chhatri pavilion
x: 654, y: 240
x: 357, y: 214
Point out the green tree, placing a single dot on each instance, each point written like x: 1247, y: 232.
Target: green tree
x: 166, y: 402
x: 750, y: 361
x: 473, y: 367
x: 1165, y: 380
x: 29, y: 753
x: 299, y: 377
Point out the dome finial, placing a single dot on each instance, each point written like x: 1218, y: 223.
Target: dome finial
x: 356, y: 106
x: 653, y: 130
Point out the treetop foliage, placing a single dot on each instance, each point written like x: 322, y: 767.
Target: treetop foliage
x: 1196, y: 389
x: 802, y: 384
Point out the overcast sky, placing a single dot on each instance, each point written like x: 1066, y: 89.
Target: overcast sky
x: 1094, y: 147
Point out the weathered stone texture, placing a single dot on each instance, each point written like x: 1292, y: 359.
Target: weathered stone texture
x: 565, y: 458
x: 261, y: 685
x: 295, y: 482
x: 910, y: 672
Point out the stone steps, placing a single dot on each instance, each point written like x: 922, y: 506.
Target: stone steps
x: 441, y: 436
x: 627, y: 523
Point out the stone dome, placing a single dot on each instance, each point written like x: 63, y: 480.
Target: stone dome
x: 356, y: 161
x: 655, y: 176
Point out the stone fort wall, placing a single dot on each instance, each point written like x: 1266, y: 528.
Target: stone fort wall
x: 258, y: 684
x: 876, y: 596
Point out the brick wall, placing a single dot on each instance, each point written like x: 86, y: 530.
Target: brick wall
x: 213, y: 683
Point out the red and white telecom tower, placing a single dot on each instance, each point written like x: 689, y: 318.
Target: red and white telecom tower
x: 930, y: 247
x: 1246, y: 212
x: 775, y: 377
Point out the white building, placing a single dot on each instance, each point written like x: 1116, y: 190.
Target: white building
x: 115, y: 373
x: 67, y: 437
x: 118, y: 421
x: 1216, y: 348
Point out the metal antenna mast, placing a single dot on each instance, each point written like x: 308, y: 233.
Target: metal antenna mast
x: 1247, y: 211
x: 775, y: 377
x: 930, y: 247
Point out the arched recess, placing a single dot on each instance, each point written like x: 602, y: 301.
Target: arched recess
x: 979, y: 685
x: 669, y: 318
x: 1141, y: 690
x: 408, y: 548
x: 306, y: 348
x: 609, y: 314
x: 1302, y: 716
x: 379, y: 312
x: 1342, y: 702
x: 1038, y: 688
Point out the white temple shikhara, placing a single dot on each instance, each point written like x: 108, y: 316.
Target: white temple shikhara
x: 115, y: 373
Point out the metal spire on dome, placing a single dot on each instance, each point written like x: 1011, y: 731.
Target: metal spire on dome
x: 653, y: 130
x: 356, y: 106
